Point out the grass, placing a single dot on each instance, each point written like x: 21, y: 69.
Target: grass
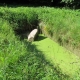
x: 61, y: 24
x: 56, y: 54
x: 43, y: 59
x: 20, y: 60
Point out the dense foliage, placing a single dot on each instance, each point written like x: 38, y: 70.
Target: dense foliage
x: 20, y: 60
x: 58, y: 3
x: 72, y: 3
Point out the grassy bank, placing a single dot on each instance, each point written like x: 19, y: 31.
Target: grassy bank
x: 59, y: 56
x: 21, y: 60
x: 61, y: 25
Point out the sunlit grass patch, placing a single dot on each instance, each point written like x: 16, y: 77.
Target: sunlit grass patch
x: 56, y: 54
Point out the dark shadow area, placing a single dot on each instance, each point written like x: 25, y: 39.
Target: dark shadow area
x: 40, y: 37
x: 24, y: 33
x: 31, y: 3
x: 73, y: 4
x: 24, y: 30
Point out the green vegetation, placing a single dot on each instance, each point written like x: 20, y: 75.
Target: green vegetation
x: 62, y: 26
x: 59, y: 56
x: 21, y: 60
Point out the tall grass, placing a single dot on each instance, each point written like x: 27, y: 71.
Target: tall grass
x: 62, y: 25
x: 19, y: 60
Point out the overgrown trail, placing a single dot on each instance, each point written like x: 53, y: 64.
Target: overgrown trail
x: 68, y: 62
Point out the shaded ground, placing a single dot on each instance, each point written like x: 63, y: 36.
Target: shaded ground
x: 40, y: 37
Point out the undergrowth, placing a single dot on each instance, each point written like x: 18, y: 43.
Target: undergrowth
x: 17, y: 60
x: 61, y: 24
x: 20, y: 60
